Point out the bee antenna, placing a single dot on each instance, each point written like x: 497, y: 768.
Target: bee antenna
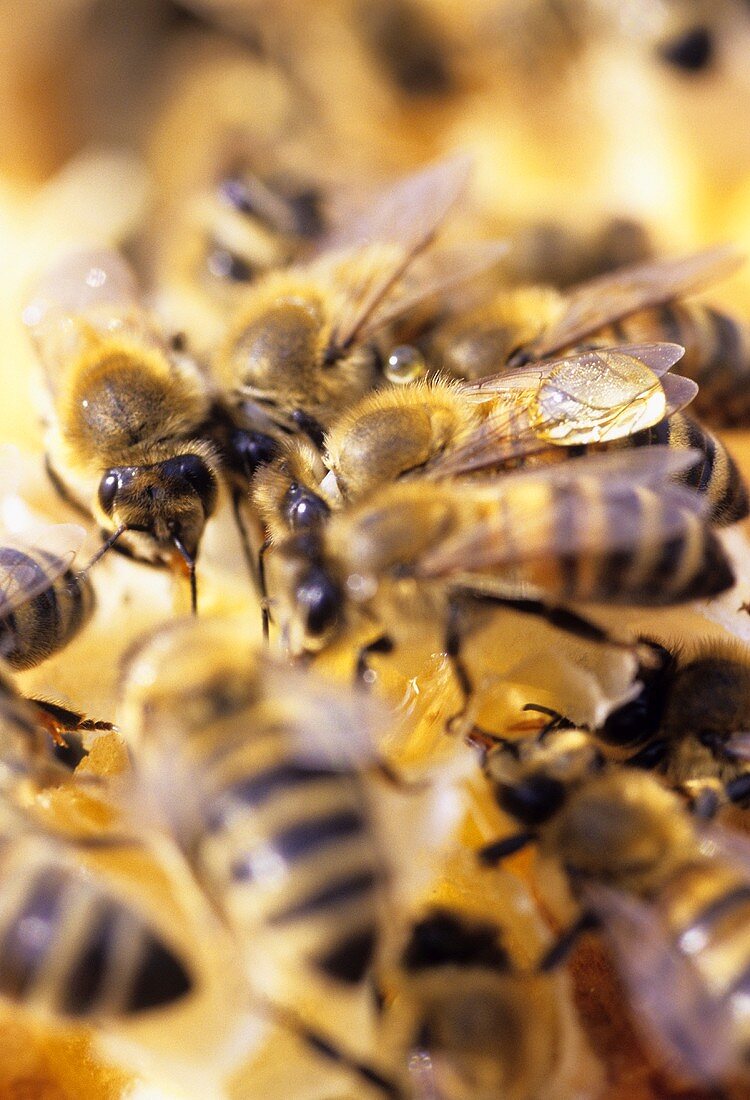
x: 190, y: 563
x: 106, y: 545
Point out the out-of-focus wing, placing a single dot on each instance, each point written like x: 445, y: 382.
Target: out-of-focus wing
x: 608, y: 298
x: 369, y: 257
x: 671, y: 1003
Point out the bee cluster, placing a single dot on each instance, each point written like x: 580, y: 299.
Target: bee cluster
x: 351, y: 570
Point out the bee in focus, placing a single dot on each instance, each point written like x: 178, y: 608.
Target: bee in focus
x: 124, y: 422
x: 437, y: 430
x: 671, y: 901
x: 308, y: 340
x: 72, y: 947
x: 635, y: 304
x: 471, y: 1024
x: 419, y: 553
x: 689, y: 721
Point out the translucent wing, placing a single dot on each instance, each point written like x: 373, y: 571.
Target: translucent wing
x: 518, y: 521
x: 432, y: 275
x: 678, y: 391
x: 85, y: 294
x: 371, y: 256
x: 671, y: 1002
x: 30, y: 563
x: 593, y: 397
x: 610, y: 297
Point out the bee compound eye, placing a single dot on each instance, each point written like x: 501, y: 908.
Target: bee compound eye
x: 405, y: 364
x: 108, y: 487
x: 306, y: 510
x: 199, y: 476
x: 319, y: 598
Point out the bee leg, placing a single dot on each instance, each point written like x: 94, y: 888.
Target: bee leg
x: 498, y: 850
x: 561, y: 617
x: 242, y: 529
x: 565, y: 943
x: 263, y: 590
x: 383, y: 644
x: 556, y: 722
x: 329, y: 1050
x: 452, y: 645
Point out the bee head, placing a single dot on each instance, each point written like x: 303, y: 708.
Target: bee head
x: 169, y: 501
x: 531, y: 778
x: 309, y: 605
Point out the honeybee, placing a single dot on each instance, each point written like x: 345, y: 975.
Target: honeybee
x: 672, y: 901
x: 432, y: 551
x: 256, y: 767
x: 634, y: 304
x: 72, y: 947
x: 690, y: 721
x: 305, y: 344
x: 123, y: 433
x: 474, y: 1026
x: 447, y: 429
x: 242, y: 227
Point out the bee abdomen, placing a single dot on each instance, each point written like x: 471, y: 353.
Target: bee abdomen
x: 715, y: 474
x: 51, y: 617
x: 686, y: 563
x: 293, y: 849
x: 720, y: 364
x: 64, y: 944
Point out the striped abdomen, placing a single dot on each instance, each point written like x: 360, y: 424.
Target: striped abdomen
x: 289, y: 849
x: 715, y: 474
x: 73, y: 949
x: 717, y: 354
x: 654, y: 549
x: 59, y: 604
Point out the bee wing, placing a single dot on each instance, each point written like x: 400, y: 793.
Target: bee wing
x: 592, y: 397
x: 23, y: 576
x: 375, y: 251
x: 484, y: 541
x: 441, y: 271
x: 608, y: 298
x: 670, y: 999
x: 678, y: 391
x: 89, y: 288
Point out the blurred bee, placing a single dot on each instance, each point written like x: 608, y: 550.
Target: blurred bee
x: 431, y: 552
x: 305, y: 345
x: 263, y: 793
x: 73, y: 948
x: 672, y: 901
x: 243, y: 227
x: 473, y: 1025
x: 258, y: 772
x: 123, y: 404
x: 636, y: 304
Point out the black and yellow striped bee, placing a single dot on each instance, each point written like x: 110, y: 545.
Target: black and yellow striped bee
x: 672, y: 900
x: 72, y: 947
x: 124, y: 423
x: 455, y: 968
x: 634, y: 304
x: 429, y: 552
x: 264, y: 795
x: 310, y: 340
